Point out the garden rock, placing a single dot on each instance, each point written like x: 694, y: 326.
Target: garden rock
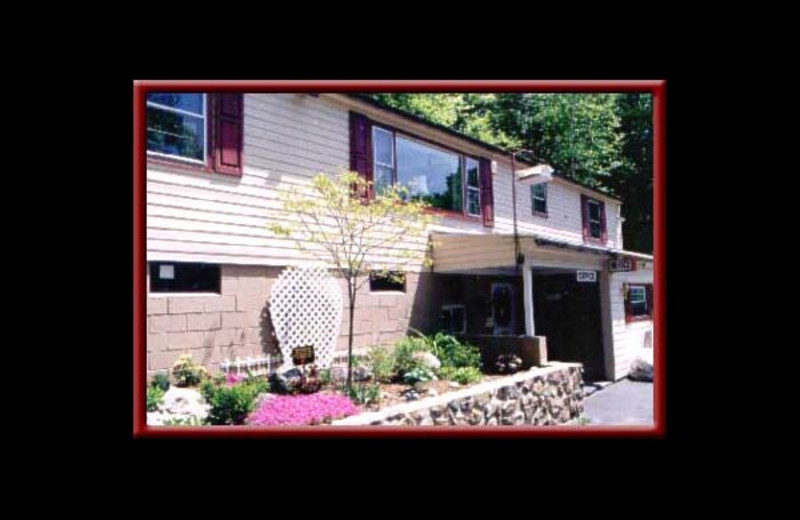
x: 428, y: 360
x: 641, y: 368
x: 362, y: 373
x: 286, y: 380
x: 179, y: 403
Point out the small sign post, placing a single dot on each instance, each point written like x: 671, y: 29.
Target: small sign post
x: 303, y: 355
x: 587, y: 276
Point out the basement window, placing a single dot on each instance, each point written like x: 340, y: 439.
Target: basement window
x: 454, y: 319
x: 380, y: 281
x: 184, y: 277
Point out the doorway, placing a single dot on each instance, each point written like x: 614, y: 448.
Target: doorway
x: 568, y: 313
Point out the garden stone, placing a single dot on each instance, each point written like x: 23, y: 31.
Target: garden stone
x: 432, y: 392
x: 453, y: 384
x: 427, y: 359
x: 412, y: 395
x: 362, y: 373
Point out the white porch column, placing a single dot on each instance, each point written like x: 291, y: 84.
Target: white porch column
x: 527, y: 283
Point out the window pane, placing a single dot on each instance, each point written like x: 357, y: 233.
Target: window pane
x: 472, y: 173
x: 539, y: 195
x: 473, y: 200
x: 383, y: 178
x: 393, y: 281
x: 383, y: 147
x: 175, y: 134
x: 430, y: 174
x: 184, y: 277
x: 189, y: 102
x: 639, y: 308
x: 596, y: 229
x: 540, y: 206
x: 594, y: 211
x: 458, y: 320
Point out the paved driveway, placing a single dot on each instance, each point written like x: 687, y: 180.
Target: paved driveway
x: 625, y: 402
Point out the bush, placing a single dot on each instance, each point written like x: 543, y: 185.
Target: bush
x: 186, y: 373
x: 177, y: 421
x: 382, y: 363
x: 462, y: 375
x: 404, y: 354
x: 364, y: 394
x: 419, y: 374
x: 155, y: 396
x: 451, y: 352
x: 161, y: 380
x: 230, y: 404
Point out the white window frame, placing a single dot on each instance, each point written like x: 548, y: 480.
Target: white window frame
x: 476, y: 188
x: 204, y: 117
x: 599, y: 220
x: 534, y: 198
x: 464, y: 314
x: 375, y: 161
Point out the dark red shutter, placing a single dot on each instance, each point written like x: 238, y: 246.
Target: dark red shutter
x: 585, y: 217
x: 361, y: 149
x: 628, y: 307
x: 649, y: 291
x: 487, y: 193
x: 229, y: 139
x: 603, y: 220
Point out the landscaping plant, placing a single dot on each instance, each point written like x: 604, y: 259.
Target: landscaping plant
x: 186, y: 373
x: 461, y: 375
x: 404, y: 354
x: 364, y: 394
x: 161, y: 380
x: 302, y: 410
x: 450, y: 351
x: 419, y: 374
x: 155, y: 396
x: 230, y: 404
x: 382, y: 363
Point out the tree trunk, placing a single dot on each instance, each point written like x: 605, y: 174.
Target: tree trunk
x: 351, y: 294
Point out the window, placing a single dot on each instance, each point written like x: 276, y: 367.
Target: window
x: 473, y: 188
x: 638, y: 302
x: 176, y: 126
x: 594, y: 220
x: 391, y: 281
x: 172, y: 277
x: 454, y: 319
x: 539, y: 199
x: 440, y: 177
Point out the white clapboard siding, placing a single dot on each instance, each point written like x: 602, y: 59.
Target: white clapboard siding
x: 627, y: 337
x: 288, y: 139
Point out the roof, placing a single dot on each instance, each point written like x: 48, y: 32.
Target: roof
x: 488, y: 146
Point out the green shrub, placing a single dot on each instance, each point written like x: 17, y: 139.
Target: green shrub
x: 462, y: 375
x: 419, y: 374
x: 452, y: 352
x: 382, y: 363
x: 155, y: 396
x: 230, y: 404
x: 189, y: 421
x: 404, y: 354
x: 186, y: 373
x: 161, y: 380
x: 364, y: 394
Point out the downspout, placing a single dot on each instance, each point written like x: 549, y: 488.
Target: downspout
x: 514, y: 209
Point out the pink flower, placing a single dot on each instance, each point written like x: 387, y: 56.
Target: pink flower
x: 233, y: 379
x: 302, y: 410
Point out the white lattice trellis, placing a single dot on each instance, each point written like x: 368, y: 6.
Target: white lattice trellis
x: 306, y: 309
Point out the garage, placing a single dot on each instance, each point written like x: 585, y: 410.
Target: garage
x: 568, y: 312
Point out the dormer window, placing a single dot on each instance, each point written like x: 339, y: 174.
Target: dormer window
x: 594, y: 220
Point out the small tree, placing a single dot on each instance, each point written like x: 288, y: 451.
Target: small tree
x: 355, y: 235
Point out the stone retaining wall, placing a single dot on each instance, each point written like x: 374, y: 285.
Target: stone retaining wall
x: 548, y: 395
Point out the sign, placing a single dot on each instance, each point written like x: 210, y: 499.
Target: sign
x: 166, y: 272
x: 303, y: 355
x: 587, y: 276
x: 621, y: 264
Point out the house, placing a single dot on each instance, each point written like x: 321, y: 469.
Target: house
x: 537, y: 256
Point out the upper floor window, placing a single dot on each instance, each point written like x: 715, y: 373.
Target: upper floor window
x: 594, y: 220
x: 176, y: 125
x: 444, y: 179
x: 539, y: 199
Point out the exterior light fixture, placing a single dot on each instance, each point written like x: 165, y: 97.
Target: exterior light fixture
x: 535, y: 174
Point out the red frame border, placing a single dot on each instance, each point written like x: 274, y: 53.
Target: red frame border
x: 656, y: 87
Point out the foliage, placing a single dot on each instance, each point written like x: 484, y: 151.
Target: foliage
x: 333, y: 224
x: 302, y: 410
x: 155, y: 396
x: 450, y: 351
x: 382, y: 363
x: 462, y: 375
x: 161, y: 380
x: 326, y: 376
x: 231, y: 404
x: 186, y: 373
x: 188, y: 421
x: 419, y: 374
x: 404, y: 354
x: 364, y: 393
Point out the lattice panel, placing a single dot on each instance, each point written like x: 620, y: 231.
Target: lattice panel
x: 306, y: 309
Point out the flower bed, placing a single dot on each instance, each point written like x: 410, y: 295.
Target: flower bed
x: 291, y: 410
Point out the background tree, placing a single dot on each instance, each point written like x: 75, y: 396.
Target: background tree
x: 337, y: 227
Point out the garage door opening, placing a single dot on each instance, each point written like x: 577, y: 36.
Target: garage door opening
x: 568, y: 313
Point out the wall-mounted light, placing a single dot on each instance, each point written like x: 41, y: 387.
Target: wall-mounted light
x: 535, y: 174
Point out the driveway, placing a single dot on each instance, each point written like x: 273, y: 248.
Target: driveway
x: 625, y: 402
